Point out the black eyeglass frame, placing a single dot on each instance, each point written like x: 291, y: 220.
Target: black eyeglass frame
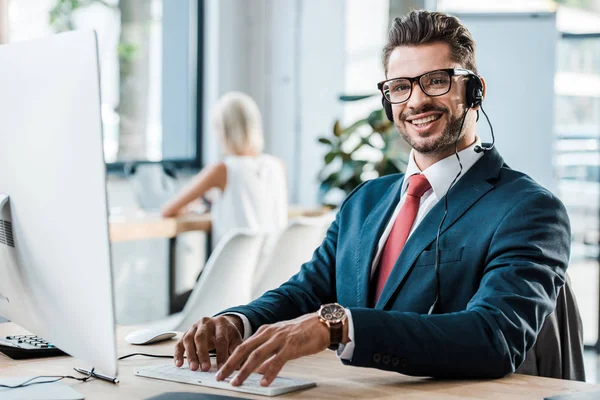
x: 450, y: 71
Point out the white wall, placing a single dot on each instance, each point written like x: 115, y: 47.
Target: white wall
x: 516, y: 56
x: 289, y: 56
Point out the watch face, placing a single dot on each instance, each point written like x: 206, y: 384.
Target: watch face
x: 332, y: 312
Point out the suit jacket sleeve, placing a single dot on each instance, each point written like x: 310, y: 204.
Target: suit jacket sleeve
x: 525, y: 268
x: 304, y: 292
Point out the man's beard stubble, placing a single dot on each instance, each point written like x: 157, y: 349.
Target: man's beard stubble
x: 440, y: 144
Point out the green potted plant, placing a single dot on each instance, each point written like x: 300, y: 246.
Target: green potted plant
x: 368, y: 148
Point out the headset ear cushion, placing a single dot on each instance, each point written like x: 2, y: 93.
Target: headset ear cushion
x: 474, y: 89
x: 387, y: 107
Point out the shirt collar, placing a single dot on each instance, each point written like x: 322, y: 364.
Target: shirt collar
x: 441, y: 174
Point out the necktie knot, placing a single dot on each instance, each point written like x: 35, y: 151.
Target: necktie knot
x: 418, y: 185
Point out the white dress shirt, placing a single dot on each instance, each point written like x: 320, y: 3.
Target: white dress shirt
x: 440, y: 175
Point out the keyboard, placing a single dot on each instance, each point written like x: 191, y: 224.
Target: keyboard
x: 19, y: 347
x: 170, y: 372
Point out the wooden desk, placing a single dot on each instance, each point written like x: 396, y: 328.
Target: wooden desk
x: 140, y: 226
x: 334, y: 380
x: 143, y: 226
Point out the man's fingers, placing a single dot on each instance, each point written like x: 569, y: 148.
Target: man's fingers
x: 221, y: 344
x: 256, y: 358
x: 190, y: 348
x: 234, y: 343
x: 178, y: 354
x: 204, y: 340
x: 271, y: 368
x: 263, y: 366
x: 240, y: 354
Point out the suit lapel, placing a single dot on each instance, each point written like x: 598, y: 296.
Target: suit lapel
x: 466, y: 192
x: 370, y: 233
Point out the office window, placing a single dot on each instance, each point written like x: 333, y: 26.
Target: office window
x: 579, y: 56
x: 366, y: 34
x: 577, y: 164
x: 149, y: 108
x: 577, y: 116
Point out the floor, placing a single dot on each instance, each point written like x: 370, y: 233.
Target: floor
x: 592, y: 366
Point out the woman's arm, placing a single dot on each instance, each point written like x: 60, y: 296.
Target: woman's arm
x: 211, y: 176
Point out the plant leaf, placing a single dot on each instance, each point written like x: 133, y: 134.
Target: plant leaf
x: 329, y: 157
x: 337, y: 128
x: 324, y: 140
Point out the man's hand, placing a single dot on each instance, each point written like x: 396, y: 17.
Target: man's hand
x: 274, y: 345
x: 222, y: 333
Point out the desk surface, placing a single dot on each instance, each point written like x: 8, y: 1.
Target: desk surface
x: 136, y: 225
x: 334, y: 380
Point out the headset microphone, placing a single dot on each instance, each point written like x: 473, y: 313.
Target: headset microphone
x: 478, y: 148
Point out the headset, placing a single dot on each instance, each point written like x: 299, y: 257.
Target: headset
x: 473, y: 98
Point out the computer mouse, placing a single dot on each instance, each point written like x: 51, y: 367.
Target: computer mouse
x: 149, y: 336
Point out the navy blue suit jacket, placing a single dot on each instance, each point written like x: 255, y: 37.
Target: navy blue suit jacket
x: 504, y: 252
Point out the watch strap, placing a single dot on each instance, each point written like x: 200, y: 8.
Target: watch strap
x: 336, y: 333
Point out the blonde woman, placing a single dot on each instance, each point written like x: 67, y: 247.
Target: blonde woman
x: 250, y: 186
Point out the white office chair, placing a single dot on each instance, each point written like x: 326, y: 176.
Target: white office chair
x: 225, y: 281
x: 294, y: 246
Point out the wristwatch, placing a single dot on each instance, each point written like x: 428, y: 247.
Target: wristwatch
x: 334, y: 317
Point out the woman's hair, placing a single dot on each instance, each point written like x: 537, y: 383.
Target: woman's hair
x: 237, y: 117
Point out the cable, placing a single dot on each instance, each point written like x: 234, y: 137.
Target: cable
x: 491, y: 146
x: 55, y: 377
x: 437, y: 239
x: 146, y: 355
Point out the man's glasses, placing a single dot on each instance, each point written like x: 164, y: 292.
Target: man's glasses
x: 434, y: 83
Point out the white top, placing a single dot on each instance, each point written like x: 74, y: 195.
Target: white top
x: 255, y: 196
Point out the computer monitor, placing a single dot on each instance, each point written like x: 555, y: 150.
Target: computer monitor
x: 55, y: 266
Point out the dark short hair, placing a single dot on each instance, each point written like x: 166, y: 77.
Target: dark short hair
x: 424, y: 27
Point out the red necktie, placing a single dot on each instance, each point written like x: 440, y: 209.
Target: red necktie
x: 417, y: 186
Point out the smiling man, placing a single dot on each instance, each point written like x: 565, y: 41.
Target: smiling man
x: 448, y: 270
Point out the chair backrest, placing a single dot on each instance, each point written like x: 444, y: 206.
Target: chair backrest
x: 153, y: 184
x: 226, y: 279
x: 292, y: 248
x: 558, y: 350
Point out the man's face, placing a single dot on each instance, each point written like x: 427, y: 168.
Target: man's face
x: 429, y: 124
